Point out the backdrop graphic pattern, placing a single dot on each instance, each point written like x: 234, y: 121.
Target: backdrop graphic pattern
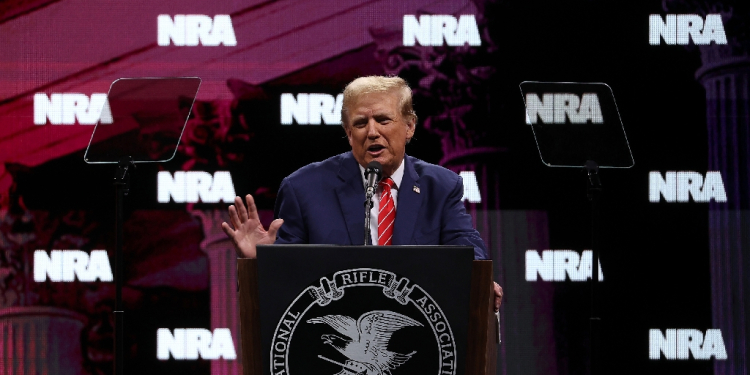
x: 666, y: 265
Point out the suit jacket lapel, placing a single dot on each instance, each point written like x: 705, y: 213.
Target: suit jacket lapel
x: 351, y: 194
x: 409, y: 203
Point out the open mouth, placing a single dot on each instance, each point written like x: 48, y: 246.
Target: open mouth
x: 374, y: 149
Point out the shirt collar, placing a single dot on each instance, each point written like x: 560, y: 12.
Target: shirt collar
x: 397, y: 176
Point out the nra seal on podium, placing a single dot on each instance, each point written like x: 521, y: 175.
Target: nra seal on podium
x: 363, y: 321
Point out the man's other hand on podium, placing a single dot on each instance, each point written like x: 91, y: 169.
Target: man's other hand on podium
x: 498, y: 295
x: 246, y: 230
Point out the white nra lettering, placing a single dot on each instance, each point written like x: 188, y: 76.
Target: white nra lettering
x: 681, y: 28
x: 66, y: 265
x: 311, y: 109
x: 680, y: 186
x: 680, y: 343
x: 67, y: 108
x: 555, y: 108
x: 433, y: 30
x: 191, y: 186
x: 195, y: 343
x: 195, y: 29
x: 471, y: 188
x: 554, y: 265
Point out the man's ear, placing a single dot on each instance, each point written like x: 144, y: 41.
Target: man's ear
x: 348, y: 132
x: 411, y: 125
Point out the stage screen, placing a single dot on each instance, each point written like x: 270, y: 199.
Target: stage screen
x: 674, y: 247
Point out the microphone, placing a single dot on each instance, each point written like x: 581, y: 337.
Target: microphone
x: 372, y: 173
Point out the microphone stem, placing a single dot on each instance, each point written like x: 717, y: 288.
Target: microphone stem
x: 372, y: 175
x: 368, y: 208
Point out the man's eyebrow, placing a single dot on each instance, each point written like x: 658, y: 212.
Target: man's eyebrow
x: 377, y: 116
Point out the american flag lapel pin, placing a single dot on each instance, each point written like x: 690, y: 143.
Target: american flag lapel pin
x: 416, y: 189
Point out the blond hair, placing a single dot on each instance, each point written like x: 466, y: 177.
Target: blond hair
x: 372, y: 84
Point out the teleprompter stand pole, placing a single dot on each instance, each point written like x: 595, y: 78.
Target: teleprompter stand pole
x: 593, y: 192
x: 122, y: 186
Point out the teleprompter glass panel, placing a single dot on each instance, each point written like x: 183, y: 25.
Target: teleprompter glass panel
x: 576, y: 122
x: 142, y: 118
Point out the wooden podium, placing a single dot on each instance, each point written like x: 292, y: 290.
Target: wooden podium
x: 481, y: 348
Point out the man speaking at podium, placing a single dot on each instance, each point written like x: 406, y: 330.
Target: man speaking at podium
x: 415, y: 203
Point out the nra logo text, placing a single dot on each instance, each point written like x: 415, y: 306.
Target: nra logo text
x: 681, y: 343
x: 192, y: 186
x: 681, y: 28
x: 66, y: 265
x: 471, y: 188
x: 681, y: 186
x: 194, y: 343
x: 195, y: 30
x: 555, y: 265
x: 556, y: 108
x: 311, y: 109
x: 432, y: 30
x: 67, y: 108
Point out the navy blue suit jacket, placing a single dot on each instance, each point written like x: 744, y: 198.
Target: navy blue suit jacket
x: 323, y: 203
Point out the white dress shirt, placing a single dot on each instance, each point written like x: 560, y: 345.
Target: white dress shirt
x: 397, y: 176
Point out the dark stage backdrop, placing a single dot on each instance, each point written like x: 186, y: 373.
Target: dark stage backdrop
x: 675, y: 247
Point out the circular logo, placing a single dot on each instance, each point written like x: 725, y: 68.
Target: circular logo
x: 363, y: 321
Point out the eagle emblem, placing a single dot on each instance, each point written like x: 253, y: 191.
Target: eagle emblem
x: 365, y: 340
x: 365, y: 343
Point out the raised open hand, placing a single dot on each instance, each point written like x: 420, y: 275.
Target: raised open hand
x: 248, y: 230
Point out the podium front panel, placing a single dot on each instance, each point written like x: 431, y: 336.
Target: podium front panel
x: 363, y: 310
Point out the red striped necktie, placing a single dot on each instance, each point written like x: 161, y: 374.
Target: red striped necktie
x: 387, y: 213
